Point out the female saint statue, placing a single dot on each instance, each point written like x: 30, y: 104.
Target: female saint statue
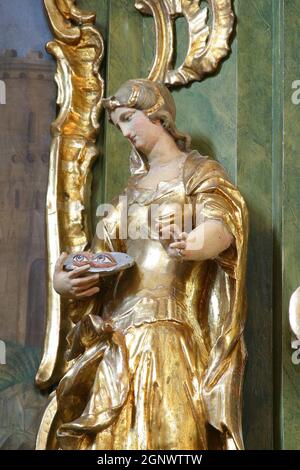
x: 156, y: 354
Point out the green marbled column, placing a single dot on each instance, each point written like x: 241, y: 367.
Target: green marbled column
x: 254, y: 179
x: 290, y: 409
x: 125, y: 52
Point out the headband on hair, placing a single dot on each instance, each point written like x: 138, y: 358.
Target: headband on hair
x: 111, y: 103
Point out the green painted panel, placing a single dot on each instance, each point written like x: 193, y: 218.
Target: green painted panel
x: 277, y: 132
x: 291, y: 223
x: 124, y: 62
x: 254, y: 179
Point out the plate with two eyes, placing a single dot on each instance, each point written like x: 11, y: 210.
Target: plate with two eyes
x: 105, y: 263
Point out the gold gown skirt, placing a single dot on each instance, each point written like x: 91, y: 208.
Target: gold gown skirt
x: 150, y: 398
x: 163, y: 409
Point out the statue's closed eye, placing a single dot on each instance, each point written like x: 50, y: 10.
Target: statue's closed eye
x: 125, y: 117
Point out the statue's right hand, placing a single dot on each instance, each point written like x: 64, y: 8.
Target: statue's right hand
x: 74, y: 284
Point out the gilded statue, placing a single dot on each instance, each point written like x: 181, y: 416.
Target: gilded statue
x: 156, y: 353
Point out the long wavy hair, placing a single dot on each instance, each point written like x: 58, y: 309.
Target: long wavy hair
x: 156, y: 102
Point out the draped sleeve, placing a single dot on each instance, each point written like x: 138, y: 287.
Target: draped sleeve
x: 222, y: 312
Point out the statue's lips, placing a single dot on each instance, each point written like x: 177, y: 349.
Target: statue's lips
x: 103, y: 263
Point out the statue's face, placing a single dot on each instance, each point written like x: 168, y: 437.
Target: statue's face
x: 137, y: 127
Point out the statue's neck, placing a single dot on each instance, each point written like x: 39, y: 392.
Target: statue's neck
x: 163, y: 152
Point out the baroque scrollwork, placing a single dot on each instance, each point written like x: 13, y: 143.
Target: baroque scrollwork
x: 208, y: 43
x: 78, y: 49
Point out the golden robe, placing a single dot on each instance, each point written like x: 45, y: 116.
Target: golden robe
x: 156, y: 360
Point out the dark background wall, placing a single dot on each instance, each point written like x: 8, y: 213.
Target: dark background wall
x: 243, y: 116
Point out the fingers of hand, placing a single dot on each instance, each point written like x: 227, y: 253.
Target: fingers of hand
x: 172, y: 252
x: 182, y: 236
x: 85, y: 282
x: 176, y: 253
x: 178, y: 245
x: 87, y: 293
x: 79, y: 271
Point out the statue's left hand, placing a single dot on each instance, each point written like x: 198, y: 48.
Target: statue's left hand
x: 186, y: 245
x: 173, y: 240
x: 206, y: 241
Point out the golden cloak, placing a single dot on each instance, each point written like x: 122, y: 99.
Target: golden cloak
x: 156, y: 360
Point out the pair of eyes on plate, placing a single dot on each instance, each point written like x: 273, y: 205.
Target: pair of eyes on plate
x: 98, y: 260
